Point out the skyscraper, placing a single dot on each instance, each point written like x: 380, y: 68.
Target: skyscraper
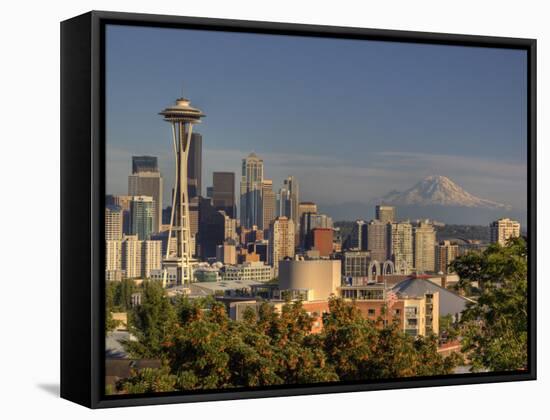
x: 312, y: 221
x: 503, y: 229
x: 289, y: 196
x: 147, y: 180
x: 400, y: 246
x: 123, y: 201
x: 113, y: 255
x: 424, y: 247
x: 214, y: 229
x: 445, y: 253
x: 131, y: 256
x: 142, y: 216
x: 303, y: 208
x: 142, y: 164
x: 194, y: 166
x: 385, y: 213
x: 281, y: 241
x: 151, y: 257
x: 113, y: 223
x: 377, y: 240
x: 252, y: 177
x: 139, y: 258
x: 223, y: 192
x: 358, y: 236
x: 268, y: 203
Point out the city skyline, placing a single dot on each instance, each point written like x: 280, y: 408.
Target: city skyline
x: 483, y: 155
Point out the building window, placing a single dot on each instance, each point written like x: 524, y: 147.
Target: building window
x: 372, y: 312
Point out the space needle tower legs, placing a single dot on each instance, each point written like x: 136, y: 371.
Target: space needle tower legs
x: 182, y: 117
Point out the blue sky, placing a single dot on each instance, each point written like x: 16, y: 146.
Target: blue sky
x: 350, y: 119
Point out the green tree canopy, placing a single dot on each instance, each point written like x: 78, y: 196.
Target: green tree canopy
x: 494, y: 329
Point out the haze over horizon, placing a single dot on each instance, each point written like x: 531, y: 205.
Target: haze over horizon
x: 351, y: 120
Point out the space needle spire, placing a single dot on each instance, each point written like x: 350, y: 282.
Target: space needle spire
x: 181, y: 116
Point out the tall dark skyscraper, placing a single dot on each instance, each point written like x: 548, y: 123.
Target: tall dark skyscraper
x: 194, y: 170
x: 377, y: 235
x: 223, y: 192
x: 144, y: 164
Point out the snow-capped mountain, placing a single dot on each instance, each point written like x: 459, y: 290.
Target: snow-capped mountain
x: 439, y: 190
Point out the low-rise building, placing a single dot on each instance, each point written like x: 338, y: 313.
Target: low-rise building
x: 416, y: 315
x: 207, y: 273
x: 224, y: 288
x: 253, y: 271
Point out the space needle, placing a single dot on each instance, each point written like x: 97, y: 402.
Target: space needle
x: 182, y: 116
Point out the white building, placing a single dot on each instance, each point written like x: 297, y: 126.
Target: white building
x: 140, y: 258
x: 424, y: 247
x: 503, y: 229
x: 281, y: 241
x: 400, y: 246
x: 253, y: 271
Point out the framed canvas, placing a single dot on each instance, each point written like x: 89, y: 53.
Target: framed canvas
x: 255, y: 209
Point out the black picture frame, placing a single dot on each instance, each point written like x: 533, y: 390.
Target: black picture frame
x: 83, y: 196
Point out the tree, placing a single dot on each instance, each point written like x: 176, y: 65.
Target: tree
x: 202, y: 348
x: 152, y: 323
x: 448, y: 328
x: 494, y: 329
x: 148, y: 380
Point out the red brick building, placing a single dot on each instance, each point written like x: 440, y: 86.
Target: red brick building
x: 322, y: 241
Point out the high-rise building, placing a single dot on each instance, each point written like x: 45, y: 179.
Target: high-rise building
x: 113, y: 255
x: 386, y: 214
x: 400, y: 246
x: 142, y: 164
x: 503, y: 229
x: 252, y: 177
x: 303, y: 208
x: 268, y: 203
x: 322, y: 241
x: 194, y: 209
x: 113, y: 223
x: 312, y: 221
x: 289, y: 197
x: 131, y: 256
x: 151, y: 258
x: 123, y: 201
x: 140, y: 258
x: 424, y: 246
x: 377, y: 240
x: 223, y: 192
x: 445, y: 253
x: 214, y: 230
x: 281, y: 241
x: 142, y: 216
x: 147, y: 182
x: 358, y: 236
x: 194, y: 166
